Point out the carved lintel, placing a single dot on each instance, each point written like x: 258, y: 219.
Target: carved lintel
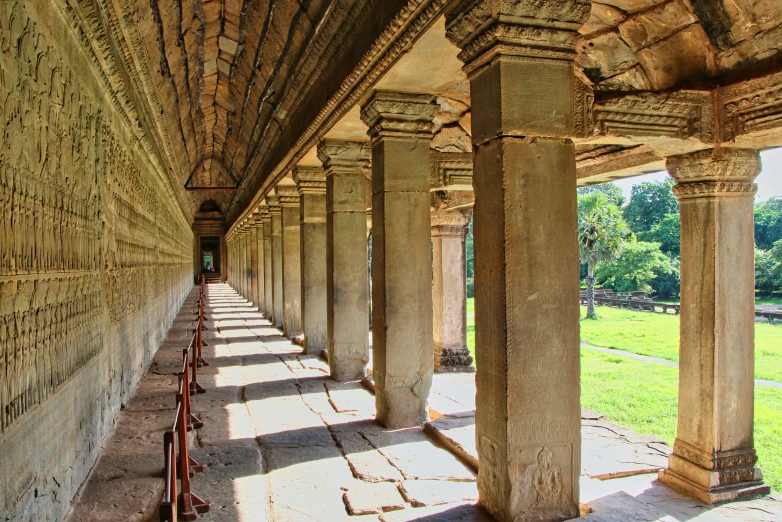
x: 397, y: 114
x: 483, y: 29
x: 680, y: 115
x: 310, y: 180
x: 451, y: 170
x: 751, y: 107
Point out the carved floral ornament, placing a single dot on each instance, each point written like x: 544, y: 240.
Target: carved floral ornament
x: 724, y: 171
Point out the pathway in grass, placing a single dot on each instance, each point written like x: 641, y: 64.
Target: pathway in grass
x: 657, y: 335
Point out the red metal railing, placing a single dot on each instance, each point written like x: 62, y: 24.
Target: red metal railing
x: 183, y: 504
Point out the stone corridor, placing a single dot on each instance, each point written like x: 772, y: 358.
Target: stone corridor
x: 282, y: 442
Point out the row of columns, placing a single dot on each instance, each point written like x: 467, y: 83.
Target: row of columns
x: 519, y: 60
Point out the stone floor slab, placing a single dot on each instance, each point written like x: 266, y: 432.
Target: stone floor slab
x: 366, y: 498
x: 420, y: 493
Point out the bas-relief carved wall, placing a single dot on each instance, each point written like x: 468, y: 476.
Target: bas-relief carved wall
x: 95, y: 261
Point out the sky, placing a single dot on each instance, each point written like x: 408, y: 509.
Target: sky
x: 769, y: 181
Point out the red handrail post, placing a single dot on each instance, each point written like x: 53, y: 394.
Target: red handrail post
x: 190, y: 504
x: 168, y: 508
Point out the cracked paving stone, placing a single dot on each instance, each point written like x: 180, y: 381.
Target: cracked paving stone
x: 422, y: 493
x: 367, y: 498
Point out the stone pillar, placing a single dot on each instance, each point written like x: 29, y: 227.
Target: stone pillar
x: 345, y: 163
x: 259, y: 223
x: 291, y: 259
x: 714, y: 457
x: 242, y: 260
x: 253, y: 236
x: 268, y: 280
x: 400, y: 126
x: 450, y: 292
x: 248, y: 263
x: 519, y: 61
x: 277, y: 298
x: 311, y: 184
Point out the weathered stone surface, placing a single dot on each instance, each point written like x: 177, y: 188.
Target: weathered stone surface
x: 620, y: 506
x: 444, y: 513
x: 401, y: 127
x: 421, y: 493
x: 366, y: 498
x: 95, y: 260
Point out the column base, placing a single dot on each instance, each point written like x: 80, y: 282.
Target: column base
x: 452, y: 360
x: 714, y: 479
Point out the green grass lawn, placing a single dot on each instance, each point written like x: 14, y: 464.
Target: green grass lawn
x: 657, y: 335
x: 610, y: 384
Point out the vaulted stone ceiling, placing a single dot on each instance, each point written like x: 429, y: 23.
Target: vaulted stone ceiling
x: 225, y: 83
x: 226, y: 87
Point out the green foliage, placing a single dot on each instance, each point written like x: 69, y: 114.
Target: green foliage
x: 601, y: 229
x: 638, y: 264
x: 649, y: 203
x: 764, y: 272
x: 768, y: 223
x: 667, y: 233
x: 469, y: 251
x: 611, y: 191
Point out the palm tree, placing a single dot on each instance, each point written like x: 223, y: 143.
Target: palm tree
x: 601, y: 233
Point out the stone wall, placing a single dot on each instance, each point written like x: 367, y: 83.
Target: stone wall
x: 95, y: 261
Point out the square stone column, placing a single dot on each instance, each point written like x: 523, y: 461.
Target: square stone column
x: 277, y: 289
x: 291, y: 259
x: 451, y: 354
x: 248, y: 271
x: 714, y: 456
x: 311, y: 184
x: 253, y: 238
x: 401, y: 127
x: 519, y: 61
x: 242, y: 260
x: 347, y: 301
x: 268, y: 280
x: 261, y: 287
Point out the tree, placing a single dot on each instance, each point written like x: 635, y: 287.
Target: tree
x: 611, y: 190
x: 649, y: 203
x: 768, y: 223
x: 667, y: 232
x: 601, y: 233
x: 764, y: 272
x: 638, y: 264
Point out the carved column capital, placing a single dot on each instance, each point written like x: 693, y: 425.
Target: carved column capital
x: 483, y: 29
x: 264, y: 211
x: 310, y: 180
x: 395, y: 114
x: 713, y: 172
x: 274, y: 205
x: 288, y: 194
x: 257, y: 219
x: 342, y: 154
x: 449, y: 223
